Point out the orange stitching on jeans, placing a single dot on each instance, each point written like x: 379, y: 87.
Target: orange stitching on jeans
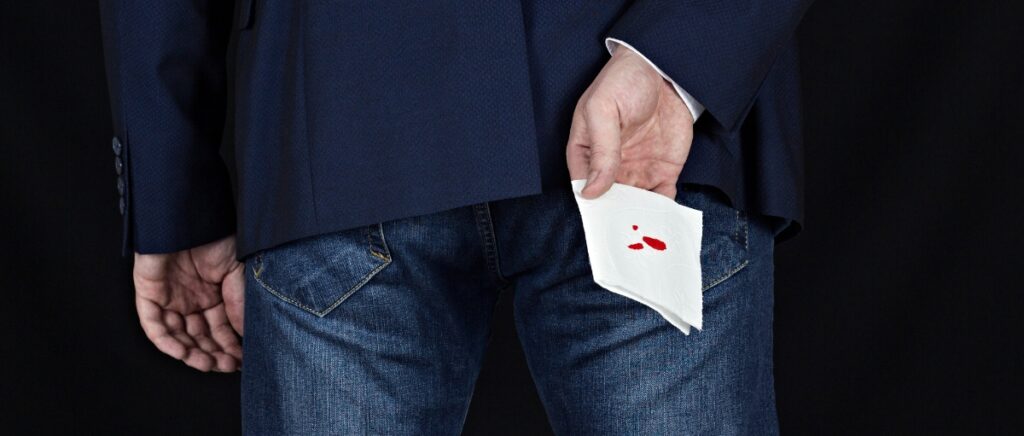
x: 259, y: 263
x: 369, y: 237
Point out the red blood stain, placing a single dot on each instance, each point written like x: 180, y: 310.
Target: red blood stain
x: 654, y: 243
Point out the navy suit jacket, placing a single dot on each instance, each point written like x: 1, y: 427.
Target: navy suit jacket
x: 347, y: 113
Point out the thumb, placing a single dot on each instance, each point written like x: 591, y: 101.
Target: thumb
x: 602, y: 118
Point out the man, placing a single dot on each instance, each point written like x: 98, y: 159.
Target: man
x: 401, y: 163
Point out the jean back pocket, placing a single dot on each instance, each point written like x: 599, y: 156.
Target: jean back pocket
x: 318, y: 273
x: 724, y: 247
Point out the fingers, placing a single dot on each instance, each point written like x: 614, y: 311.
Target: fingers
x: 217, y: 339
x: 214, y: 355
x: 577, y: 152
x: 602, y: 121
x: 222, y: 332
x: 151, y: 318
x: 196, y: 328
x: 594, y: 148
x: 195, y: 357
x: 188, y: 338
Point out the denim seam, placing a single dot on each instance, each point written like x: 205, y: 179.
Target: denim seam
x: 726, y: 275
x: 743, y: 225
x: 741, y: 220
x: 486, y: 228
x: 342, y: 298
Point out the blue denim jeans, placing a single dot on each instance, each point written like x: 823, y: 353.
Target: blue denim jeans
x: 381, y: 329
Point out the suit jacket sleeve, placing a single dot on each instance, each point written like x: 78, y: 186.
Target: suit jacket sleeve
x: 165, y: 64
x: 718, y: 51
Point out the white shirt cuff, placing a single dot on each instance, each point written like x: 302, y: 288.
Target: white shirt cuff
x: 691, y: 103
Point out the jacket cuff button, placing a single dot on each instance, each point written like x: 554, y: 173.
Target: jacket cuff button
x: 118, y: 165
x: 116, y: 144
x: 121, y: 205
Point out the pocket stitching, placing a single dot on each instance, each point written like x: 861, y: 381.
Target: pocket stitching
x: 727, y: 275
x: 741, y: 217
x: 744, y: 224
x: 344, y: 296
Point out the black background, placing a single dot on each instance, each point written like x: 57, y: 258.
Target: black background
x: 896, y: 308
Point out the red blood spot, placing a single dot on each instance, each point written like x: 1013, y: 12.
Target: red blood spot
x: 637, y: 246
x: 634, y: 227
x: 654, y: 243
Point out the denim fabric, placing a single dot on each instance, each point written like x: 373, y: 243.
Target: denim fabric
x: 381, y: 329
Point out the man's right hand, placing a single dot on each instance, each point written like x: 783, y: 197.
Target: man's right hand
x: 191, y: 304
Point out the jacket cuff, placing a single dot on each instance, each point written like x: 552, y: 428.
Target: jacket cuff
x: 159, y: 214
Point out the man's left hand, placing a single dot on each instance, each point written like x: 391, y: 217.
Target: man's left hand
x: 630, y: 127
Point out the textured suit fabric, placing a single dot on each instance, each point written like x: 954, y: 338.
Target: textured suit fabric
x: 351, y: 113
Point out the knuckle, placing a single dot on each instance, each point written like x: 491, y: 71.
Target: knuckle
x: 599, y: 156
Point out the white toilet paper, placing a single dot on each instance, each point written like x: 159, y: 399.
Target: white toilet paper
x: 645, y: 246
